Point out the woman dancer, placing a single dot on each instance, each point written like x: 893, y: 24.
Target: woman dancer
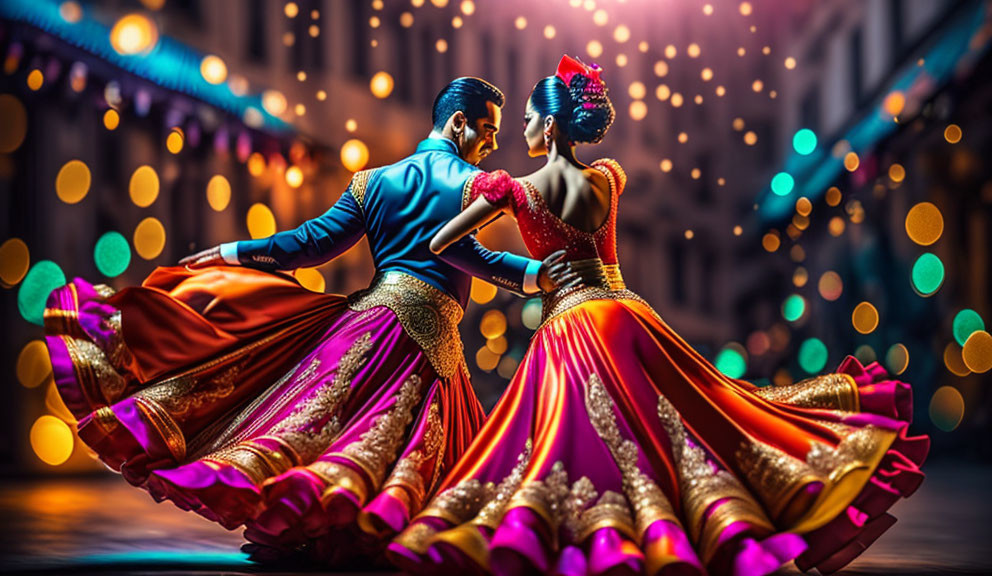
x: 617, y: 448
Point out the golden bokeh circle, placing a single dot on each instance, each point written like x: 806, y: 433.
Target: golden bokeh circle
x: 311, y: 279
x: 954, y: 360
x: 51, y: 440
x: 34, y: 365
x: 14, y: 127
x: 354, y: 155
x: 493, y: 324
x: 73, y: 181
x: 219, y: 190
x: 144, y: 186
x: 149, y: 238
x: 947, y: 408
x: 482, y: 292
x: 381, y: 84
x: 771, y: 242
x: 977, y: 352
x: 15, y: 259
x: 924, y: 223
x: 865, y: 318
x: 953, y: 133
x: 261, y: 221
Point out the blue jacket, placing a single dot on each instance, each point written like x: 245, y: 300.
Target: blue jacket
x: 399, y: 207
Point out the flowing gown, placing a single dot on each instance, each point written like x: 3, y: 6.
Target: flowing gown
x: 617, y: 448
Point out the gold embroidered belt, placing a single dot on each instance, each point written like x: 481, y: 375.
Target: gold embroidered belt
x: 604, y: 282
x: 428, y: 316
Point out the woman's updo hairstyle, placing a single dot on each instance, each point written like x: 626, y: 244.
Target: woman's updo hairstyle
x: 577, y: 99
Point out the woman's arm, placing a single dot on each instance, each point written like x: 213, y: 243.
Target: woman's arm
x: 478, y: 213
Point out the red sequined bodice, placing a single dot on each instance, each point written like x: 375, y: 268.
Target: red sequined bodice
x: 542, y: 230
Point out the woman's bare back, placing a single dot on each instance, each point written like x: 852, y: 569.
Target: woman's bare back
x: 580, y: 197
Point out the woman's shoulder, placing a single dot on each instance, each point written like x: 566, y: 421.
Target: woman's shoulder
x: 613, y: 170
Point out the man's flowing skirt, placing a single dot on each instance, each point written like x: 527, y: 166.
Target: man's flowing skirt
x: 238, y: 394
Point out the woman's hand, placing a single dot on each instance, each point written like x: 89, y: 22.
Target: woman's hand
x: 202, y: 259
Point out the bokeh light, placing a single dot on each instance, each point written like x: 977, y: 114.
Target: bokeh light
x: 952, y: 133
x: 497, y: 345
x: 133, y: 34
x: 531, y: 313
x: 804, y: 206
x: 482, y: 292
x: 354, y: 155
x: 804, y: 141
x: 144, y: 186
x: 954, y: 361
x: 928, y: 274
x: 782, y: 184
x: 812, y: 355
x: 34, y: 365
x: 946, y: 408
x: 966, y: 322
x: 924, y: 223
x: 112, y: 254
x: 51, y: 440
x: 73, y: 181
x: 311, y: 279
x: 213, y: 69
x: 274, y: 102
x: 897, y: 172
x: 111, y: 119
x: 594, y: 48
x: 261, y: 221
x: 833, y: 196
x: 794, y: 307
x: 731, y: 362
x: 219, y: 189
x: 486, y: 359
x: 977, y: 352
x: 865, y: 318
x: 771, y: 241
x: 865, y: 354
x: 39, y: 282
x: 149, y: 238
x: 897, y: 359
x: 830, y: 286
x: 894, y: 103
x: 493, y: 324
x: 15, y: 259
x: 381, y: 84
x: 851, y: 161
x: 14, y: 127
x: 256, y: 164
x: 174, y: 141
x: 294, y: 177
x: 638, y: 110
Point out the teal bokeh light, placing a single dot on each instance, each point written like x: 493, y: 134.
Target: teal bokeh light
x: 731, y: 363
x: 41, y: 279
x: 112, y: 254
x: 813, y: 355
x: 966, y: 322
x: 928, y: 274
x: 782, y: 184
x: 804, y: 142
x: 793, y: 308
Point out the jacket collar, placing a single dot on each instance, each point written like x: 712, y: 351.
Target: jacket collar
x: 438, y: 145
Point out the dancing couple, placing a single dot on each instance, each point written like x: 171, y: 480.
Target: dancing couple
x: 337, y: 428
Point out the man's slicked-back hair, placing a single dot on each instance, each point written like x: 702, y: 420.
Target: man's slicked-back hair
x: 468, y: 95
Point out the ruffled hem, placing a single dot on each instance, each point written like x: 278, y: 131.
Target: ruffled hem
x: 898, y: 476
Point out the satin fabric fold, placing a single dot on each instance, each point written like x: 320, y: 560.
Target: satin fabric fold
x: 618, y: 449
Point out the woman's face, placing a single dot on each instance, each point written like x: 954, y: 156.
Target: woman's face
x: 534, y: 131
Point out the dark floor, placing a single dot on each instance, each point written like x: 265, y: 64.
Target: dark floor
x: 101, y: 524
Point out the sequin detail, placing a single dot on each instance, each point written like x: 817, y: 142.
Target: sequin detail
x: 830, y: 391
x: 359, y: 183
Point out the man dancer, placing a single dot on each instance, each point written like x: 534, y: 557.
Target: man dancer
x: 363, y: 474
